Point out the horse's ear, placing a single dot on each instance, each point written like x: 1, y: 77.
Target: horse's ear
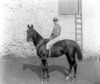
x: 28, y: 26
x: 31, y: 26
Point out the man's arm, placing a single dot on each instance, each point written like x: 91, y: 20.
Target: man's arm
x: 54, y: 35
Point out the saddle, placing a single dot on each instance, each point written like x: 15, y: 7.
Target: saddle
x: 48, y: 50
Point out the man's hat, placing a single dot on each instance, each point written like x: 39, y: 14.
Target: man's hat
x: 55, y: 19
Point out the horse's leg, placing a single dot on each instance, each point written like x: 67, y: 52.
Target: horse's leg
x: 75, y: 69
x: 74, y: 64
x: 69, y: 72
x: 47, y: 71
x: 70, y: 66
x: 43, y: 71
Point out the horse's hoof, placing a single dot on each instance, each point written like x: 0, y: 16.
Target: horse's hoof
x: 42, y: 82
x: 73, y: 80
x: 67, y: 77
x: 47, y: 79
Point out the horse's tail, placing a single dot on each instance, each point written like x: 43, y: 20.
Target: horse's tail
x: 79, y: 53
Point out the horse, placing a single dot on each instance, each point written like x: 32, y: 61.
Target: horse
x: 66, y: 47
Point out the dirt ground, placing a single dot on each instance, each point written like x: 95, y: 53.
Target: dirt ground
x: 11, y: 71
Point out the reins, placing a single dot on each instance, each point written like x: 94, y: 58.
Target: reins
x: 39, y: 44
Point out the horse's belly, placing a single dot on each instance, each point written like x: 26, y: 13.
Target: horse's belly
x: 57, y: 53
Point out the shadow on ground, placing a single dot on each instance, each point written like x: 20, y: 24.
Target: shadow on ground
x: 11, y: 71
x: 38, y: 69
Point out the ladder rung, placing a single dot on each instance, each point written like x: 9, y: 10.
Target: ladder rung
x: 78, y: 33
x: 78, y: 20
x: 78, y: 37
x: 77, y: 23
x: 78, y: 17
x: 78, y: 28
x: 80, y: 44
x: 78, y: 41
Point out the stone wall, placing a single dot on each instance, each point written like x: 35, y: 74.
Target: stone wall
x: 17, y: 14
x: 91, y: 27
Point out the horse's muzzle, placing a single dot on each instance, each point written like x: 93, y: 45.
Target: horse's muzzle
x: 29, y: 40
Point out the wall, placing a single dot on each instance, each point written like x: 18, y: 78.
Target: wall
x: 15, y: 15
x: 91, y: 27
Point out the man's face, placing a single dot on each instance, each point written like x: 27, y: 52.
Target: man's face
x: 55, y: 22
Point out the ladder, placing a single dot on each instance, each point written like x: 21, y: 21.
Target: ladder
x: 78, y: 27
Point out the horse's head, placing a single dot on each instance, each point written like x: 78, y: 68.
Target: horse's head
x: 30, y: 33
x: 33, y: 35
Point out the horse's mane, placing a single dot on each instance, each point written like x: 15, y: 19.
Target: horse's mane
x: 37, y: 34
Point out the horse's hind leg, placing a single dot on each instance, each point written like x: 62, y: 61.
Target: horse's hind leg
x: 75, y: 69
x: 74, y: 64
x: 69, y: 72
x: 70, y: 66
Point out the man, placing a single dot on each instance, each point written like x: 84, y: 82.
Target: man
x: 55, y: 33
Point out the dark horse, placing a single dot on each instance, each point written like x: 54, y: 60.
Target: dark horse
x: 67, y: 47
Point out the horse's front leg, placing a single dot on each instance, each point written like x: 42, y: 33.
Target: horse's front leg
x: 47, y: 71
x: 43, y: 68
x: 46, y: 68
x: 43, y: 71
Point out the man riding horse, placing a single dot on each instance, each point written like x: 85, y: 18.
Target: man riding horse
x: 55, y: 33
x: 66, y: 47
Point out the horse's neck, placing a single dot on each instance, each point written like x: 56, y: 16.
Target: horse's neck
x: 43, y: 43
x: 37, y: 39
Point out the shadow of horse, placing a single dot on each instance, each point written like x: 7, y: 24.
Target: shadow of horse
x: 38, y: 69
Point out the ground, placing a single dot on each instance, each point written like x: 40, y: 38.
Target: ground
x: 11, y: 71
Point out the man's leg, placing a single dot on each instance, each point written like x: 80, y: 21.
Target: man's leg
x: 50, y: 43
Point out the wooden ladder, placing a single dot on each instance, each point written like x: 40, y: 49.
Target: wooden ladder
x: 78, y: 30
